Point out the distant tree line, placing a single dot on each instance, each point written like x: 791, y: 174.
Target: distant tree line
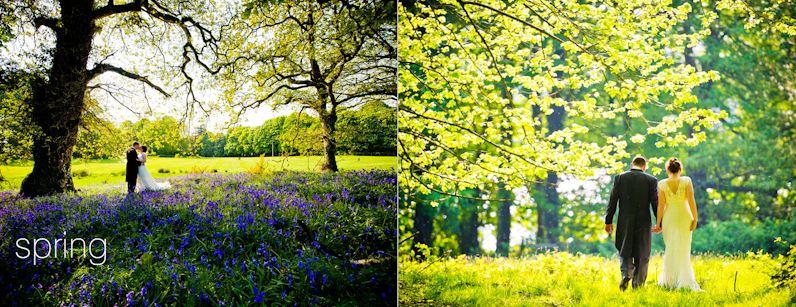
x: 369, y: 130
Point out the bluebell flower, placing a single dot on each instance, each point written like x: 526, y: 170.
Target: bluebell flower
x: 129, y: 297
x: 258, y: 295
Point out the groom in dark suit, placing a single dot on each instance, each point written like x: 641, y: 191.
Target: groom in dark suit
x: 635, y: 192
x: 131, y: 171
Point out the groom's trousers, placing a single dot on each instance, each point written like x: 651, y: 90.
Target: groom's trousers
x: 635, y: 255
x: 635, y: 268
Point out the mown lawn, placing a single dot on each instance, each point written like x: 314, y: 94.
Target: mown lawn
x: 97, y: 172
x: 564, y: 279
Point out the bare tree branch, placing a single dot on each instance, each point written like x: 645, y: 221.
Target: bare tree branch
x: 388, y: 92
x: 101, y: 68
x: 112, y: 94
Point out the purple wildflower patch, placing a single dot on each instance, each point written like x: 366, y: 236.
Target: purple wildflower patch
x: 307, y: 238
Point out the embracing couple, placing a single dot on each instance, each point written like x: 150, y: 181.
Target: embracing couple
x: 672, y: 201
x: 136, y: 171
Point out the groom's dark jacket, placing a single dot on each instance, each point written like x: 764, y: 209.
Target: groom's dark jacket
x: 634, y: 193
x: 132, y: 165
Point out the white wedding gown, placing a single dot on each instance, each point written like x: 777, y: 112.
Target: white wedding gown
x: 677, y: 270
x: 146, y: 181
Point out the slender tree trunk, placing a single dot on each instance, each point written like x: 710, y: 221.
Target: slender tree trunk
x: 504, y: 221
x: 504, y: 207
x: 328, y: 123
x: 548, y: 211
x: 541, y: 210
x: 468, y: 227
x: 58, y: 103
x: 468, y: 237
x: 423, y: 225
x: 699, y: 177
x: 553, y: 220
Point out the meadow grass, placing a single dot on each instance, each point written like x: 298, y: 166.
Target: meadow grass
x: 565, y: 279
x: 88, y: 173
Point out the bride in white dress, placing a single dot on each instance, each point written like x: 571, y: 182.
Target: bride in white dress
x: 677, y: 210
x: 145, y: 180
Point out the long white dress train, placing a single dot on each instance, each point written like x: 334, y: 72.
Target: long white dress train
x: 146, y: 181
x: 677, y: 216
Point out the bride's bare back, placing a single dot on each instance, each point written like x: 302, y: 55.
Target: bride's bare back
x: 679, y: 214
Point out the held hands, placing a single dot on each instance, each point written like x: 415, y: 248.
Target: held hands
x: 609, y: 228
x: 657, y: 229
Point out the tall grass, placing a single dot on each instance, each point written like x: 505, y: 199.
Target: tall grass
x: 566, y: 279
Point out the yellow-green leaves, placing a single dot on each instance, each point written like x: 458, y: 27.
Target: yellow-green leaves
x: 482, y: 81
x: 767, y: 18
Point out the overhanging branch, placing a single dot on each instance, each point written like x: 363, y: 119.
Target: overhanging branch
x: 100, y: 68
x: 113, y: 9
x: 160, y: 12
x: 49, y: 22
x: 374, y: 92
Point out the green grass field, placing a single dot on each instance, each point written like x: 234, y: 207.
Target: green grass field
x: 111, y: 172
x: 558, y: 279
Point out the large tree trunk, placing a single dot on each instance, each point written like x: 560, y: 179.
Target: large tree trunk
x: 504, y: 221
x: 57, y: 104
x: 326, y: 96
x: 328, y: 123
